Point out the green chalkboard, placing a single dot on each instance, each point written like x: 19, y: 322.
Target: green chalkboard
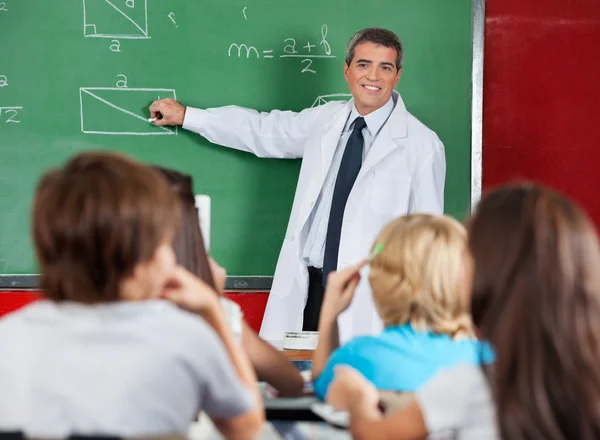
x: 79, y: 75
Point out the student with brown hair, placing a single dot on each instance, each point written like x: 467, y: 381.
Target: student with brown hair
x: 418, y: 289
x: 188, y: 244
x: 103, y: 354
x: 536, y: 299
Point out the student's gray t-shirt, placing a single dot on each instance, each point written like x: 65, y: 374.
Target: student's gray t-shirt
x: 126, y: 369
x: 457, y: 404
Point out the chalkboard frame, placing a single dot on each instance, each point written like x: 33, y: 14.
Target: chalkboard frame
x: 263, y: 283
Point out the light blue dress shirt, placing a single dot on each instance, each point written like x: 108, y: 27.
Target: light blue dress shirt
x: 314, y: 248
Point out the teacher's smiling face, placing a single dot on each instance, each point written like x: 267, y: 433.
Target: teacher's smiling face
x: 372, y: 76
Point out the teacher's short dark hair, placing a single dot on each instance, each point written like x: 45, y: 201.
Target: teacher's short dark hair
x: 94, y: 220
x: 379, y: 36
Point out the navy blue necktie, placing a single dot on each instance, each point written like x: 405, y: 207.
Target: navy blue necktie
x: 349, y: 168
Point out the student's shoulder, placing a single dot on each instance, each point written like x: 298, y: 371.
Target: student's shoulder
x: 362, y: 342
x: 170, y: 321
x: 367, y: 354
x: 175, y: 315
x: 183, y: 337
x: 448, y: 388
x: 361, y: 347
x: 463, y: 376
x: 484, y: 352
x: 35, y: 310
x: 462, y: 351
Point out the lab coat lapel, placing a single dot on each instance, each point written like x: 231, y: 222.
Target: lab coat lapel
x: 330, y: 140
x: 322, y: 161
x: 385, y: 142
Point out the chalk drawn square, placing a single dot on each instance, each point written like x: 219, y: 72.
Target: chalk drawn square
x: 116, y: 19
x: 324, y: 99
x: 121, y: 111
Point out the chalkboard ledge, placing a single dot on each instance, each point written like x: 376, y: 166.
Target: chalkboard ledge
x: 241, y: 283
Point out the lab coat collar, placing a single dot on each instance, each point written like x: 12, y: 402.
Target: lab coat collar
x: 396, y: 125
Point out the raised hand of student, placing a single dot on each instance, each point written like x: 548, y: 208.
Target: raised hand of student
x: 340, y: 291
x: 167, y: 112
x: 191, y: 293
x: 338, y: 296
x: 349, y: 388
x: 194, y: 295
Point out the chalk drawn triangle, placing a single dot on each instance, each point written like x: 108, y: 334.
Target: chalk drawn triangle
x: 114, y: 19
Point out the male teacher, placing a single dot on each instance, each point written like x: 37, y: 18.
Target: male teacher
x: 364, y: 163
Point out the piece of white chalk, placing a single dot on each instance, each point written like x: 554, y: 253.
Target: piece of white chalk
x: 152, y: 119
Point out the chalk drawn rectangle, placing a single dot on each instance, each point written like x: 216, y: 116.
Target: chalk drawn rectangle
x: 123, y: 22
x: 103, y: 98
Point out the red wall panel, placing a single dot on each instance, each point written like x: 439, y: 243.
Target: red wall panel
x: 11, y: 301
x: 542, y: 96
x: 253, y: 305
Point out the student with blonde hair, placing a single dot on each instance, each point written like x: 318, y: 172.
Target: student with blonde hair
x: 418, y: 290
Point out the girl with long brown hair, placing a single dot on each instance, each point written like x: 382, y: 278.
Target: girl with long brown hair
x: 536, y: 298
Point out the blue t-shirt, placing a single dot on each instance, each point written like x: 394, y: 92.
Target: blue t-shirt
x: 402, y: 359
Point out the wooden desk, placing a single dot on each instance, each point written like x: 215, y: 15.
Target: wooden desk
x: 298, y: 355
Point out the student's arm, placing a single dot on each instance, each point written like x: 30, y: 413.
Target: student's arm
x: 341, y: 356
x: 338, y: 296
x: 395, y: 400
x: 352, y: 393
x: 192, y: 294
x: 329, y: 340
x: 216, y: 319
x: 271, y: 365
x: 246, y: 425
x: 427, y: 192
x: 448, y: 402
x: 359, y: 353
x: 226, y: 398
x: 367, y: 423
x: 276, y: 134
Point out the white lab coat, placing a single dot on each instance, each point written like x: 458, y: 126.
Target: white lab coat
x: 403, y: 172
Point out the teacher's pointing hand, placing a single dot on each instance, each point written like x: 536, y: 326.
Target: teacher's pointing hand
x: 167, y: 112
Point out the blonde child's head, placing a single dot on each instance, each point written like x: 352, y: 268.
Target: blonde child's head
x: 418, y: 278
